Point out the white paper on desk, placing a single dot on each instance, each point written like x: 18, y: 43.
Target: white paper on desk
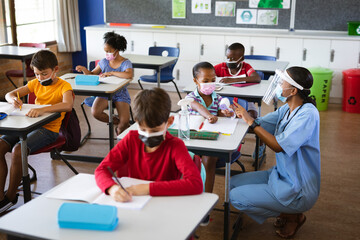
x: 217, y: 81
x: 12, y: 111
x: 112, y: 80
x: 223, y: 125
x: 82, y: 187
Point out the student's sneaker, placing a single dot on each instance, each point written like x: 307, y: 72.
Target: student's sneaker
x: 205, y: 221
x: 261, y: 151
x: 5, y: 204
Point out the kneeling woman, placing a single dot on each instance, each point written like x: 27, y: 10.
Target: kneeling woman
x: 292, y: 186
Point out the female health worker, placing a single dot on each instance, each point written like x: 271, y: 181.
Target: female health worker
x: 292, y: 186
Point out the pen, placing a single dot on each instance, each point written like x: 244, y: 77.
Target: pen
x: 201, y: 125
x: 19, y: 99
x: 116, y: 179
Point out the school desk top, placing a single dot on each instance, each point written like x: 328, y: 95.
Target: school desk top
x: 17, y: 52
x: 161, y: 218
x: 267, y: 66
x: 149, y: 61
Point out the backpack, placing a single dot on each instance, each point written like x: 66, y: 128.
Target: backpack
x: 71, y: 131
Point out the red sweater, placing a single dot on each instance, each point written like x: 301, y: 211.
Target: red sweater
x: 221, y: 70
x: 170, y: 167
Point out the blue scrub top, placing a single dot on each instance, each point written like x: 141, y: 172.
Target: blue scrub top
x: 297, y: 171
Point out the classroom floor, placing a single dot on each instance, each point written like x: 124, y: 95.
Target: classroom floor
x: 335, y: 215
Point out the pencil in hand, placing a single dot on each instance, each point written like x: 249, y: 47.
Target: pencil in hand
x: 19, y: 99
x: 116, y: 179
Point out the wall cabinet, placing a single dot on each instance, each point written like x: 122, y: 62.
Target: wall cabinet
x: 211, y: 48
x: 289, y: 49
x: 343, y: 54
x: 262, y: 46
x: 316, y: 53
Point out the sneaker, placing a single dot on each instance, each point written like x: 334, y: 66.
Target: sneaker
x: 261, y: 151
x: 5, y: 204
x: 205, y: 221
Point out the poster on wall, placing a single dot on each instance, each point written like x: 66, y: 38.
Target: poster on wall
x: 285, y: 4
x: 225, y: 9
x: 267, y: 17
x: 178, y: 8
x: 201, y: 6
x: 246, y: 16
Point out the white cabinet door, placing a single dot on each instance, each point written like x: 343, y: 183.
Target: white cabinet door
x: 94, y: 45
x: 189, y: 45
x: 290, y: 50
x: 344, y: 54
x: 212, y: 48
x: 165, y: 39
x: 262, y: 46
x: 316, y: 53
x: 140, y: 42
x: 245, y: 41
x: 183, y: 73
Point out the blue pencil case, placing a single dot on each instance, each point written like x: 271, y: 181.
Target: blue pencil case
x: 90, y: 80
x: 87, y: 216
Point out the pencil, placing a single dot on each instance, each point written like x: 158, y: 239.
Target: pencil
x: 19, y: 99
x: 116, y: 179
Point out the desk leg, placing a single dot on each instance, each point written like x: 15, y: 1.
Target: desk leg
x: 111, y: 124
x: 257, y: 146
x: 259, y: 104
x: 226, y: 203
x: 158, y: 77
x: 24, y: 73
x: 26, y: 178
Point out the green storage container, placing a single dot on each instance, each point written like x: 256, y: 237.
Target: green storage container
x: 354, y: 28
x: 321, y: 87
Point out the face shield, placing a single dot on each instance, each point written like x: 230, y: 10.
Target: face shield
x: 276, y: 82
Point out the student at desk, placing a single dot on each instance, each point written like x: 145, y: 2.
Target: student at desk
x: 150, y: 153
x: 292, y: 186
x: 113, y: 65
x: 48, y: 89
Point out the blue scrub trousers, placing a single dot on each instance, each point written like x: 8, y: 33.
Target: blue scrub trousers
x: 251, y: 194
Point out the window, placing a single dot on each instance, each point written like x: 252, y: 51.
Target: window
x: 35, y: 21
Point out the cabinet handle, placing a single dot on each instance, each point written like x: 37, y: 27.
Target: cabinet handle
x: 202, y: 49
x: 132, y: 45
x: 252, y: 50
x: 154, y: 43
x: 177, y: 74
x: 359, y: 60
x: 178, y: 45
x: 304, y: 54
x: 332, y: 55
x: 226, y: 47
x: 277, y: 53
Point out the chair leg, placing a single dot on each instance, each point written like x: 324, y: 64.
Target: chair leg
x: 83, y: 140
x: 132, y: 121
x: 66, y: 161
x: 176, y: 89
x: 237, y: 226
x: 241, y: 165
x: 11, y: 81
x: 34, y: 177
x: 140, y: 85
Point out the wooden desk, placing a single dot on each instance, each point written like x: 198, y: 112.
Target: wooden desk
x: 161, y: 218
x: 150, y: 62
x: 20, y: 126
x: 20, y: 53
x: 223, y: 147
x: 267, y: 66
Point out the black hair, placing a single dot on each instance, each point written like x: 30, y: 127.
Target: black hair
x: 44, y: 59
x: 152, y: 107
x: 237, y: 46
x: 303, y: 77
x: 200, y: 65
x: 115, y: 40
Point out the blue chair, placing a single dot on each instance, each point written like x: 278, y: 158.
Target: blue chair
x: 166, y: 74
x: 261, y: 74
x: 260, y: 57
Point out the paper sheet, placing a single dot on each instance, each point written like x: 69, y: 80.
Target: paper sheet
x: 223, y: 125
x: 112, y: 80
x: 12, y: 111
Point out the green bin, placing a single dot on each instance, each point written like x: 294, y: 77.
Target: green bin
x: 320, y: 90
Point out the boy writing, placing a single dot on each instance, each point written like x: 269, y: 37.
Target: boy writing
x: 150, y: 153
x: 48, y: 89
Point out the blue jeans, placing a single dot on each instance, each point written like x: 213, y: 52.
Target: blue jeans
x: 36, y: 139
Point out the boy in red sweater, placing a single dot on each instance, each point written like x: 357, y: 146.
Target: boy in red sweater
x: 150, y: 153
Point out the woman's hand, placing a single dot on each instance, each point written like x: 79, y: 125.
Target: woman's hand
x: 212, y: 119
x: 118, y: 194
x: 138, y: 190
x: 242, y: 113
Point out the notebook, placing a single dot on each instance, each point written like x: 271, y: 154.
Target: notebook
x: 82, y: 187
x: 199, y: 123
x: 12, y: 111
x: 112, y: 80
